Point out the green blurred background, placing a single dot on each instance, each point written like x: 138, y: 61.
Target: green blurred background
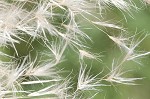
x: 102, y: 44
x: 140, y: 23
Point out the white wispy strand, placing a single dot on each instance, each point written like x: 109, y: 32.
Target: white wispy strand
x: 106, y: 24
x: 38, y: 81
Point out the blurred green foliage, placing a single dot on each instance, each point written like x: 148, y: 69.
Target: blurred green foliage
x: 140, y: 22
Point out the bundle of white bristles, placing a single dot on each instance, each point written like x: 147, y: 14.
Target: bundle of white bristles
x: 56, y: 26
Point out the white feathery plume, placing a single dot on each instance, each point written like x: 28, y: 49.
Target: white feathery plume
x: 76, y: 6
x: 12, y: 78
x: 74, y: 36
x: 13, y: 25
x: 47, y: 69
x: 57, y: 48
x: 42, y: 16
x: 10, y: 23
x: 115, y: 76
x: 58, y: 90
x: 15, y: 75
x: 129, y: 45
x: 125, y: 5
x: 87, y: 81
x: 86, y: 54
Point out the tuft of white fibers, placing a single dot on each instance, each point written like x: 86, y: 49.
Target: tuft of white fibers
x: 74, y: 36
x: 57, y: 49
x: 87, y: 81
x: 116, y: 76
x: 42, y: 70
x: 47, y: 69
x: 129, y: 45
x: 125, y: 5
x: 75, y: 6
x: 41, y: 17
x: 12, y: 23
x: 57, y: 90
x: 11, y: 79
x: 85, y: 54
